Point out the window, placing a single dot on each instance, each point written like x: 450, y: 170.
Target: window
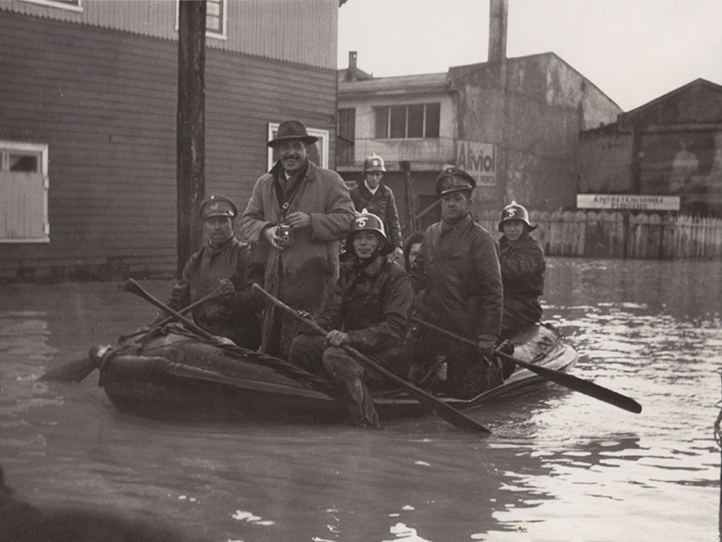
x: 215, y: 18
x: 73, y: 5
x: 408, y: 121
x: 346, y: 136
x: 319, y: 150
x: 24, y: 193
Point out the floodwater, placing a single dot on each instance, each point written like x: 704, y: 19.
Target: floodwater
x: 559, y: 466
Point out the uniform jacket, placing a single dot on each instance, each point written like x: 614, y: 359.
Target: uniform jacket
x: 303, y: 275
x: 372, y: 305
x: 522, y: 267
x: 383, y: 205
x: 200, y: 277
x: 459, y: 270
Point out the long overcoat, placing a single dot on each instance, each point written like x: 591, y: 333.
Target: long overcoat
x: 303, y: 275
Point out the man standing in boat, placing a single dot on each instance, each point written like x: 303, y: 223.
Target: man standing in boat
x: 522, y: 270
x: 223, y: 263
x: 296, y: 217
x: 369, y: 311
x: 458, y: 268
x: 378, y: 199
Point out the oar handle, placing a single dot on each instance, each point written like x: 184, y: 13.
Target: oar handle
x: 133, y: 287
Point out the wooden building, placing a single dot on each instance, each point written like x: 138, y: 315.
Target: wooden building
x: 88, y: 102
x: 671, y: 146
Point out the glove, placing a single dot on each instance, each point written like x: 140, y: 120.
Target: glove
x: 227, y: 289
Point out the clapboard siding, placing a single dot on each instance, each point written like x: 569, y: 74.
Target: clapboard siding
x: 105, y: 102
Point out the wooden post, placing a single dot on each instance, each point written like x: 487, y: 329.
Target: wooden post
x: 190, y: 180
x: 410, y: 222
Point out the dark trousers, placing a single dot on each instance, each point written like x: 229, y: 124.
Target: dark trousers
x: 313, y: 354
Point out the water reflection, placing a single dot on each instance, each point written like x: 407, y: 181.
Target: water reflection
x: 559, y: 466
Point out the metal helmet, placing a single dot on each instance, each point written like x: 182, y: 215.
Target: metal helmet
x: 514, y: 211
x: 366, y: 222
x: 374, y: 163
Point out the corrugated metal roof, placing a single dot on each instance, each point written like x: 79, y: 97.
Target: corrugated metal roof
x: 299, y: 31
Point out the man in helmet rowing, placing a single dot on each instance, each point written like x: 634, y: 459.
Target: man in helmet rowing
x: 458, y: 268
x: 522, y: 270
x: 378, y: 199
x: 369, y: 310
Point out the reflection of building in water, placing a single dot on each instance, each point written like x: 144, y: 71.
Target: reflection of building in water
x: 670, y: 146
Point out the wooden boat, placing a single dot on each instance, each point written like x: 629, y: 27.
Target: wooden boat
x: 171, y: 374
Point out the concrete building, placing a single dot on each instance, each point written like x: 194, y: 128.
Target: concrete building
x: 669, y: 147
x: 514, y: 124
x: 88, y: 139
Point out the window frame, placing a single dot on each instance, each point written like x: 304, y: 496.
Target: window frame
x: 10, y: 147
x: 385, y: 115
x: 223, y: 34
x: 58, y: 4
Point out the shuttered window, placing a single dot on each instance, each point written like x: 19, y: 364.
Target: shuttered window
x: 23, y: 193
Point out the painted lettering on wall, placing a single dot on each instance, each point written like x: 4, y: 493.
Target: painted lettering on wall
x: 478, y: 160
x: 628, y: 202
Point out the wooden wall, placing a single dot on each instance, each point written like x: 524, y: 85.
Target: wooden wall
x: 622, y: 235
x: 105, y: 103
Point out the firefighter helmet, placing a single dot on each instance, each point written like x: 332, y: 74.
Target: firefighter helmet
x: 514, y: 211
x: 374, y: 163
x: 366, y: 221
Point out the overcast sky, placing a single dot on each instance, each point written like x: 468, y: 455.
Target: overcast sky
x: 633, y: 50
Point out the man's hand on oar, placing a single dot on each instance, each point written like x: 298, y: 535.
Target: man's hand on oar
x: 563, y: 379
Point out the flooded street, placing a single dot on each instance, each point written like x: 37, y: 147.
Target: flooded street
x: 559, y: 466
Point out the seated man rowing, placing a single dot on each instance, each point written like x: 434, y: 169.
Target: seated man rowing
x: 224, y: 263
x: 369, y: 311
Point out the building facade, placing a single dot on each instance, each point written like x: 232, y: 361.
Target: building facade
x: 670, y: 147
x: 513, y: 124
x: 88, y: 139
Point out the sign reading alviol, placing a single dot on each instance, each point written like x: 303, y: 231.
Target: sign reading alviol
x: 478, y: 160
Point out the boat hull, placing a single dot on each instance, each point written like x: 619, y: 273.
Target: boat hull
x: 171, y: 376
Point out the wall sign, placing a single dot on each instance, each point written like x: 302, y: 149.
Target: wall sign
x: 628, y: 202
x: 478, y: 160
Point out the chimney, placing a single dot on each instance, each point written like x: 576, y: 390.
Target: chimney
x: 498, y: 17
x: 351, y: 73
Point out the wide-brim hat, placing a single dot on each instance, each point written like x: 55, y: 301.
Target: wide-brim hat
x: 217, y: 205
x: 454, y: 179
x: 289, y: 130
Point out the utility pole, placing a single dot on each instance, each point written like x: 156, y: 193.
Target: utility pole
x: 190, y: 180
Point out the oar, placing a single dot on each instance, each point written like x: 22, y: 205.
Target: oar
x: 133, y: 287
x: 76, y: 371
x: 434, y: 404
x: 572, y: 382
x: 185, y: 310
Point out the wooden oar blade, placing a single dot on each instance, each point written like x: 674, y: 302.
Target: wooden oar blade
x: 75, y: 371
x: 577, y: 384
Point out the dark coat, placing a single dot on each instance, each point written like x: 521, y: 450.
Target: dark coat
x: 237, y: 318
x: 383, y: 205
x: 372, y: 305
x: 459, y: 271
x: 522, y: 270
